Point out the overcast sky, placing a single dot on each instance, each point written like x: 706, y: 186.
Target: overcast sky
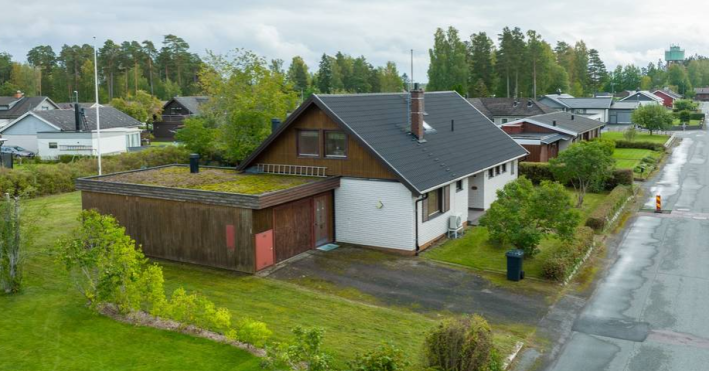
x: 623, y: 31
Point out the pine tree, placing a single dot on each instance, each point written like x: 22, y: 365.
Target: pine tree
x: 481, y: 73
x: 325, y: 75
x: 448, y: 69
x: 298, y: 74
x: 597, y: 73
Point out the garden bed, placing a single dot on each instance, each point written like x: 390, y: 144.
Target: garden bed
x: 474, y: 250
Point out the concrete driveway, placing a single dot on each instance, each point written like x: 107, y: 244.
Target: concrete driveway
x: 650, y: 311
x: 416, y: 284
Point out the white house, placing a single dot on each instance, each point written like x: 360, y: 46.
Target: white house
x: 594, y: 108
x: 408, y: 166
x: 61, y: 132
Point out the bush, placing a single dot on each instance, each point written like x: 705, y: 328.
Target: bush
x: 41, y: 179
x: 385, y: 358
x: 562, y: 259
x: 109, y: 269
x: 303, y: 354
x: 639, y: 145
x: 602, y: 214
x: 540, y: 171
x: 697, y: 116
x: 463, y: 344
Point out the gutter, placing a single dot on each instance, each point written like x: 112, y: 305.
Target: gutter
x: 416, y: 223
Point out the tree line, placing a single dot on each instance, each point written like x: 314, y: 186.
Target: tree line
x: 523, y: 64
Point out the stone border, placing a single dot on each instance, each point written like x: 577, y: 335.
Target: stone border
x: 508, y: 361
x: 140, y: 318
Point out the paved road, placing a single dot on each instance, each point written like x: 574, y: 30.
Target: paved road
x: 651, y: 310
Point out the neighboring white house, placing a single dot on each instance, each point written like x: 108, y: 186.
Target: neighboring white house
x: 56, y: 132
x: 406, y: 168
x: 504, y: 110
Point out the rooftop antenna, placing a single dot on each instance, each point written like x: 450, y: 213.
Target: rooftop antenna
x: 98, y: 119
x: 411, y: 80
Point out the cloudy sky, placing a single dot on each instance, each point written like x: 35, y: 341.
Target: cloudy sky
x: 623, y: 31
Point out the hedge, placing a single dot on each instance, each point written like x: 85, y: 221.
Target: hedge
x: 34, y: 180
x: 539, y: 171
x: 697, y: 116
x: 599, y: 218
x: 561, y: 261
x: 639, y: 145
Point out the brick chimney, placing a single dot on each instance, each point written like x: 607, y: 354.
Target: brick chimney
x: 19, y: 94
x: 417, y: 112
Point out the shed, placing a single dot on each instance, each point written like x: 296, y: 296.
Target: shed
x: 218, y: 217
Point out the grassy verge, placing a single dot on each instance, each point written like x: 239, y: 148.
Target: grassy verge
x: 475, y: 250
x: 47, y: 326
x: 630, y: 158
x: 677, y: 122
x: 640, y: 137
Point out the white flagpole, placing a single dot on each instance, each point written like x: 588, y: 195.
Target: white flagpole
x: 98, y: 119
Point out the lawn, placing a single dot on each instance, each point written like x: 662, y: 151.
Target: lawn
x: 640, y: 137
x: 476, y: 251
x: 630, y: 158
x: 47, y: 326
x: 676, y: 122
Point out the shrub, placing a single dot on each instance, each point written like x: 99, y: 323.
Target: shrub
x: 252, y: 332
x: 303, y: 354
x: 599, y: 217
x: 540, y: 171
x: 639, y: 145
x: 697, y: 116
x: 41, y: 179
x: 630, y: 133
x: 463, y: 344
x: 109, y: 269
x: 385, y: 358
x: 561, y: 260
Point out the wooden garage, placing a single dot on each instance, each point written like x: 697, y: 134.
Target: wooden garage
x: 218, y: 217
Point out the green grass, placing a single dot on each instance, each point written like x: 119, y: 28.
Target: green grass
x: 629, y: 158
x: 640, y: 137
x: 676, y: 122
x: 47, y: 325
x: 475, y: 250
x: 217, y: 180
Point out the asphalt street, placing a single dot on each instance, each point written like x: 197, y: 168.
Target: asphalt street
x: 651, y: 309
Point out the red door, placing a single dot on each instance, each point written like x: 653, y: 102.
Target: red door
x: 264, y: 249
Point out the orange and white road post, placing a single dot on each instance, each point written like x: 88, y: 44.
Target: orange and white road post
x: 658, y: 204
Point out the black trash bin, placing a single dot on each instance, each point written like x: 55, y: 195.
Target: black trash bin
x: 514, y: 265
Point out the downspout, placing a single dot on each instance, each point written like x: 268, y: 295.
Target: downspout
x: 416, y: 222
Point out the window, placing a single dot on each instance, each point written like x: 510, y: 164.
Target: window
x: 504, y: 121
x: 497, y: 170
x: 309, y: 143
x: 53, y: 145
x: 504, y: 168
x: 335, y: 144
x: 491, y: 173
x: 436, y: 203
x: 459, y: 186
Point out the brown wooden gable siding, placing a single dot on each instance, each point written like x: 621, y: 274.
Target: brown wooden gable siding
x: 182, y: 231
x: 359, y: 162
x: 531, y: 128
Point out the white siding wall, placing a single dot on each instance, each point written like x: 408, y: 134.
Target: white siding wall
x: 498, y: 182
x: 437, y: 226
x: 111, y: 143
x: 359, y: 219
x: 28, y: 142
x: 486, y: 192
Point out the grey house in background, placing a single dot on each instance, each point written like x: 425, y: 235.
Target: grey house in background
x: 643, y: 96
x: 174, y: 113
x: 595, y: 108
x: 504, y: 110
x: 12, y: 107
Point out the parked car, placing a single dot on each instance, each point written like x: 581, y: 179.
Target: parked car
x: 17, y: 151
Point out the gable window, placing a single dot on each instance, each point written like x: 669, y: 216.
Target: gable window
x: 437, y: 202
x: 335, y: 144
x: 504, y: 121
x: 309, y: 143
x: 459, y: 186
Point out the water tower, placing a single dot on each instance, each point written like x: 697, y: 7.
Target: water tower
x: 674, y: 55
